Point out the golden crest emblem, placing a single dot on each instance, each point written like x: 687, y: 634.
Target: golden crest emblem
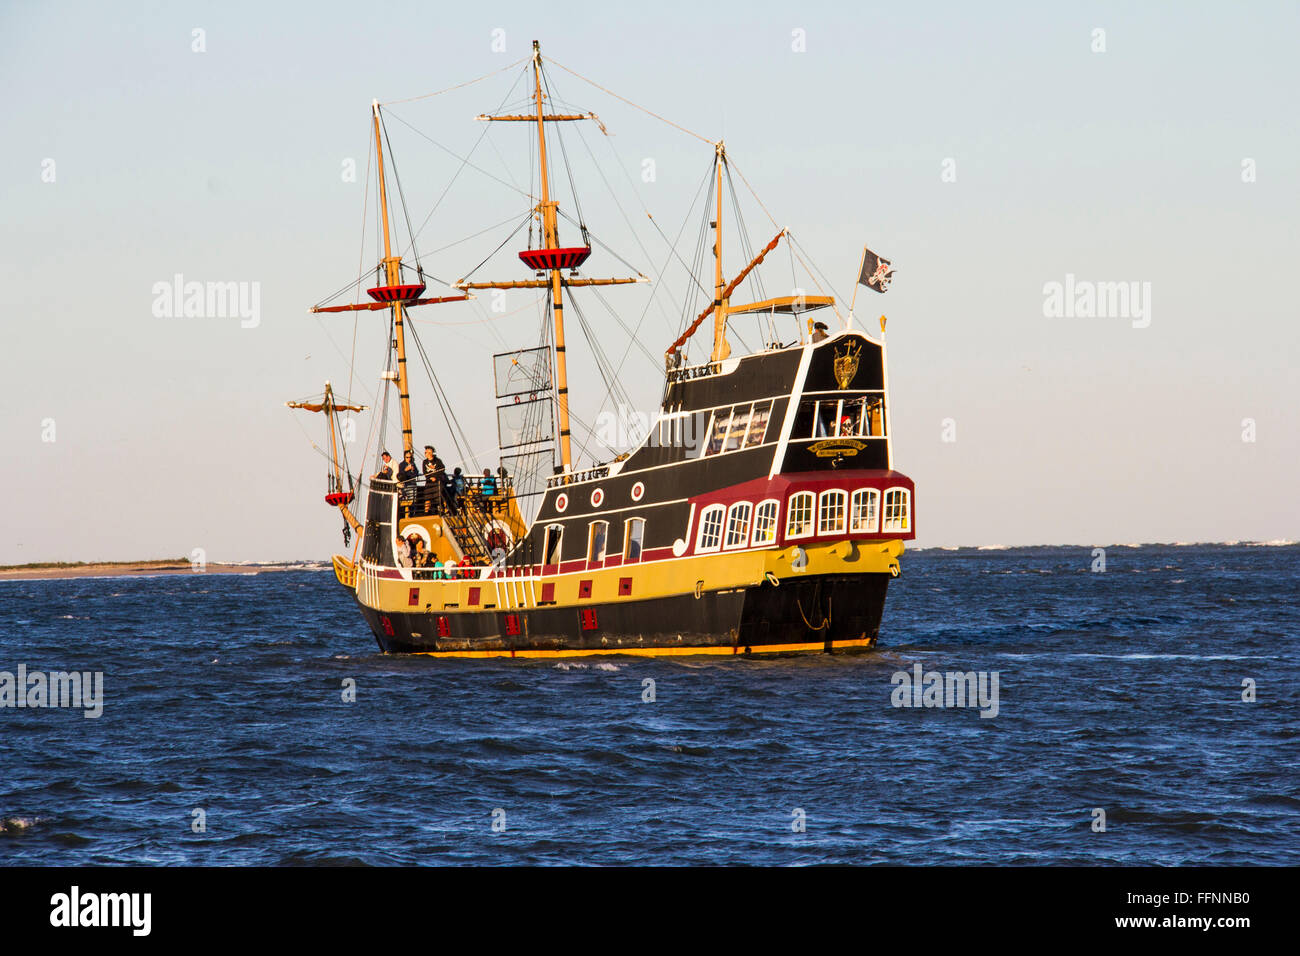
x: 846, y: 363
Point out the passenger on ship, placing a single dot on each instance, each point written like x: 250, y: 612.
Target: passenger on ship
x: 488, y: 488
x: 437, y: 569
x: 434, y: 470
x: 449, y: 569
x: 455, y: 489
x: 385, y: 471
x: 406, y: 471
x: 819, y: 332
x: 422, y: 557
x: 406, y: 475
x: 403, y: 552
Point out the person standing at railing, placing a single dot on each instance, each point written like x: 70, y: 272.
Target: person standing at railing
x: 456, y: 489
x: 487, y: 487
x: 434, y: 473
x: 385, y: 472
x: 407, y: 473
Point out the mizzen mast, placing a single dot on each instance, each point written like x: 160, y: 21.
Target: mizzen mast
x: 721, y: 349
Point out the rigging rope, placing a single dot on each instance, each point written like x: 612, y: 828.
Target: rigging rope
x: 616, y: 96
x: 425, y: 96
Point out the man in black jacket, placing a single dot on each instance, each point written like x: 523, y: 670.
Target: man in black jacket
x: 434, y: 471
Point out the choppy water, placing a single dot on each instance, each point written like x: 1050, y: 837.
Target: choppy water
x: 1119, y: 691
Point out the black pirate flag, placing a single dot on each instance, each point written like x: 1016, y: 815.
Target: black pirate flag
x: 876, y: 272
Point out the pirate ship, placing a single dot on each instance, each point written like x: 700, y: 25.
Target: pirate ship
x: 759, y: 513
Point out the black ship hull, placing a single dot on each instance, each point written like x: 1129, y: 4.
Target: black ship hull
x: 826, y: 613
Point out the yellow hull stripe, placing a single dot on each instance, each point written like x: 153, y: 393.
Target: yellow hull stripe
x: 658, y: 651
x: 669, y: 577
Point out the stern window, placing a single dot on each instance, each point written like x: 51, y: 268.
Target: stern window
x: 765, y: 522
x: 799, y: 515
x: 831, y: 513
x: 710, y: 528
x: 897, y: 510
x: 864, y: 514
x: 738, y: 525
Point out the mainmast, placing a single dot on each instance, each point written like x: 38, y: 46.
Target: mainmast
x: 552, y: 258
x: 550, y: 240
x: 393, y: 276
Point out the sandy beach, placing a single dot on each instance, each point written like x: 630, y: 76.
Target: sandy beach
x: 129, y: 569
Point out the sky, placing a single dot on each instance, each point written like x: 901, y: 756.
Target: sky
x: 990, y: 151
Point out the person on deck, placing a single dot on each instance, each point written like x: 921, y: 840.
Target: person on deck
x: 433, y: 470
x: 437, y: 569
x: 406, y: 475
x: 454, y: 488
x: 407, y: 471
x: 402, y: 550
x: 819, y: 332
x: 449, y: 569
x: 385, y: 471
x: 488, y: 488
x: 422, y: 557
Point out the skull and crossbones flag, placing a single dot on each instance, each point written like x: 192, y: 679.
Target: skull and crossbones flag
x: 876, y: 272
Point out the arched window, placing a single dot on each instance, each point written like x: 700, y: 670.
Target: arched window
x: 738, y: 525
x: 765, y: 521
x: 831, y: 512
x: 710, y: 536
x: 864, y: 515
x: 633, y: 536
x: 799, y: 515
x: 897, y: 510
x: 597, y: 535
x: 554, y: 541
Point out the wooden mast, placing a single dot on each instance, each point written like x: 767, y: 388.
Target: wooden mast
x: 393, y: 276
x: 721, y: 349
x: 551, y: 258
x: 331, y: 410
x: 550, y: 240
x: 330, y: 406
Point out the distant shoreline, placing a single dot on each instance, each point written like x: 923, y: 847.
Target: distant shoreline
x: 126, y: 569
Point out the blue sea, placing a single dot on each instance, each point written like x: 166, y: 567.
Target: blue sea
x: 1121, y: 733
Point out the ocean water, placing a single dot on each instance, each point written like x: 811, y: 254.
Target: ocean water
x: 1119, y: 691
